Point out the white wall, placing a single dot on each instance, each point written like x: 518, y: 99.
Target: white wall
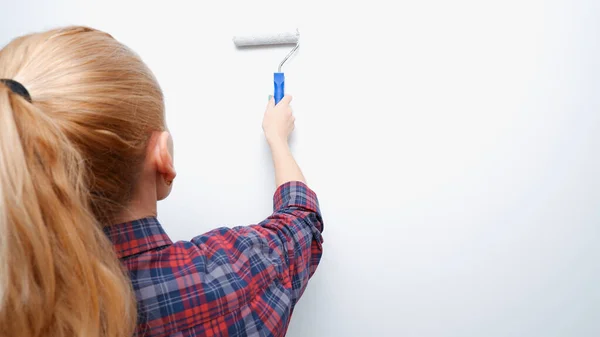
x: 454, y: 146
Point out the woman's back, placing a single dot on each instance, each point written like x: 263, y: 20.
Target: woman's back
x: 242, y: 281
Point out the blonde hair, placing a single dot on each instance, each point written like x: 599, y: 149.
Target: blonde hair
x: 68, y: 164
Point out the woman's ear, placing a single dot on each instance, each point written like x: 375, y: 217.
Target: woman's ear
x: 164, y: 157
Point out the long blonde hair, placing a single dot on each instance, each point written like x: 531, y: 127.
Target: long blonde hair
x: 68, y: 164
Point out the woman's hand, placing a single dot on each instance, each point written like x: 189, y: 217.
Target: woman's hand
x: 278, y: 122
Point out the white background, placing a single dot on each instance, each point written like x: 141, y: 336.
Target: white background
x: 454, y: 146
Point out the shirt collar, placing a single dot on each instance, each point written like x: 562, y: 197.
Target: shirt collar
x: 137, y: 236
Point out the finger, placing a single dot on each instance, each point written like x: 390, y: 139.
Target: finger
x: 271, y: 102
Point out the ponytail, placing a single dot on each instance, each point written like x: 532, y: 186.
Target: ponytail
x: 59, y: 275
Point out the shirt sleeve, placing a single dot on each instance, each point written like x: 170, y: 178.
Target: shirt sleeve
x: 286, y: 247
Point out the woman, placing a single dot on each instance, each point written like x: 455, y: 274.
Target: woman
x: 84, y: 157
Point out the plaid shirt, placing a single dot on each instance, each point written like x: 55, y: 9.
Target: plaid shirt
x: 242, y: 281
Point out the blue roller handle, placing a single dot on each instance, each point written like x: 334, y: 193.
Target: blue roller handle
x: 279, y: 81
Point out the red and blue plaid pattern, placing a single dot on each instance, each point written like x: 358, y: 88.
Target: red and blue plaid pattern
x: 242, y: 281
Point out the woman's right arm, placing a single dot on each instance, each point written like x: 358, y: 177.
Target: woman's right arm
x: 282, y: 251
x: 278, y: 124
x: 265, y: 268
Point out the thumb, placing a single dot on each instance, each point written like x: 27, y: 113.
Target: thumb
x: 286, y: 100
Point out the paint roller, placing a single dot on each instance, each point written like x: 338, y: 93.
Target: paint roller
x: 272, y: 39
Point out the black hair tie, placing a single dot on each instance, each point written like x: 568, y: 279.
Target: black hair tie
x: 17, y: 88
